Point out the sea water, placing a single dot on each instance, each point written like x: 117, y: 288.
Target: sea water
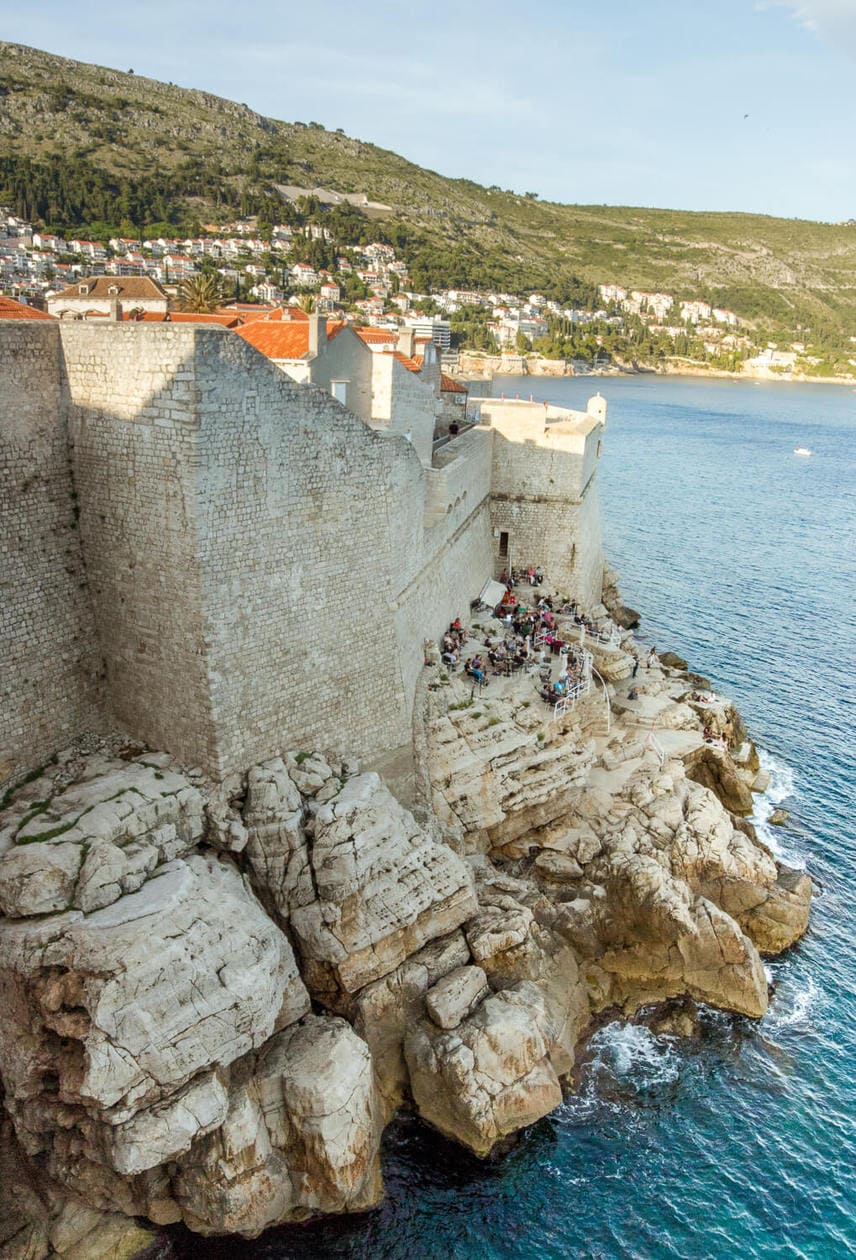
x: 740, y: 556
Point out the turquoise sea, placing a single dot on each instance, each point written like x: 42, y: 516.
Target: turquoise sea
x: 741, y: 557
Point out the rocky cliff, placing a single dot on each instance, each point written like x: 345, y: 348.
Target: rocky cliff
x: 216, y: 996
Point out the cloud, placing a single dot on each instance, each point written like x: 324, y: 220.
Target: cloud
x: 832, y: 20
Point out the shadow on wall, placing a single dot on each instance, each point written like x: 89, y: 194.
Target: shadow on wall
x: 234, y: 525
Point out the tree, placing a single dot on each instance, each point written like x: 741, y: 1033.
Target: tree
x: 307, y: 302
x: 522, y: 343
x: 202, y: 293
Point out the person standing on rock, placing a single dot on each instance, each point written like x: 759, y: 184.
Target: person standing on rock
x: 635, y: 665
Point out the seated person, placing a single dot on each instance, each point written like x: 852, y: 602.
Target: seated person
x: 475, y: 668
x: 449, y: 657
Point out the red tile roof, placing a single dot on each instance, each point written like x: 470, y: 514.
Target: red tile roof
x: 10, y: 309
x: 412, y: 365
x: 449, y: 385
x: 283, y: 339
x: 130, y: 287
x: 377, y: 336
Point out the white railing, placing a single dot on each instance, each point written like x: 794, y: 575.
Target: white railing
x: 605, y: 696
x: 574, y: 693
x: 609, y: 638
x: 654, y: 744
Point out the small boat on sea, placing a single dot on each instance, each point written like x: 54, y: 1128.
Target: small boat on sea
x: 801, y: 450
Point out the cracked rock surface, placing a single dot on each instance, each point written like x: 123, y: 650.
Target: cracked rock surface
x: 215, y: 996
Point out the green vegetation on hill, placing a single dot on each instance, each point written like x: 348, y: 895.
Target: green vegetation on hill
x: 88, y: 148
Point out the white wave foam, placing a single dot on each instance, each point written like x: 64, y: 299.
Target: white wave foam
x: 794, y: 1010
x: 783, y: 785
x: 632, y: 1054
x: 783, y: 781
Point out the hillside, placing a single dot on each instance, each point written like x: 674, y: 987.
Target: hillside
x: 81, y: 144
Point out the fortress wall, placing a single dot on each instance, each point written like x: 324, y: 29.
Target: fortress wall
x: 544, y: 463
x: 294, y: 524
x: 446, y: 563
x: 403, y: 403
x: 48, y: 661
x: 587, y: 581
x: 451, y: 577
x: 132, y: 416
x: 346, y: 358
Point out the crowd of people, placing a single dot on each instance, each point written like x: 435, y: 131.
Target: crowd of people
x: 529, y: 632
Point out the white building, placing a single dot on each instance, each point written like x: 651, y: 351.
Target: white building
x: 439, y: 330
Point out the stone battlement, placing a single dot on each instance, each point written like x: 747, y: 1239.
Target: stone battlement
x: 225, y: 563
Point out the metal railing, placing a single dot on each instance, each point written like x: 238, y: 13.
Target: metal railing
x: 574, y: 693
x: 608, y: 637
x: 606, y: 698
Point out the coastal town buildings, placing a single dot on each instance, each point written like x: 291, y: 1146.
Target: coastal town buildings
x: 43, y: 268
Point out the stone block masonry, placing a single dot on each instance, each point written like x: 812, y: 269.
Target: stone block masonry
x: 225, y: 563
x: 49, y: 660
x: 543, y: 492
x: 239, y: 534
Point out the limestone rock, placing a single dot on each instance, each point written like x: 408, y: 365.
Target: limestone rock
x: 38, y: 878
x: 302, y: 1135
x: 383, y: 888
x: 387, y: 1007
x: 492, y: 1074
x: 782, y: 918
x: 456, y: 996
x: 276, y: 841
x: 127, y: 1011
x: 98, y: 837
x: 493, y: 779
x: 779, y: 817
x: 714, y: 768
x: 157, y: 1134
x: 329, y: 1095
x: 672, y: 660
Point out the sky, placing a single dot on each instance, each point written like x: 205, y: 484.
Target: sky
x: 688, y: 104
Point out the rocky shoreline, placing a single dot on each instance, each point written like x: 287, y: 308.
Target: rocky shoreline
x: 488, y: 366
x: 217, y: 996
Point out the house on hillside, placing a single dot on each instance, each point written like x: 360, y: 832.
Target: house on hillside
x: 100, y: 295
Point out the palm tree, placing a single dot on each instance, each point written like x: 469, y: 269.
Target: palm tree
x: 201, y: 294
x: 307, y: 302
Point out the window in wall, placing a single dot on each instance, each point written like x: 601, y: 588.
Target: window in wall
x: 503, y: 546
x: 339, y: 390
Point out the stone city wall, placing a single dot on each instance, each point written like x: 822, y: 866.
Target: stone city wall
x: 262, y: 567
x: 48, y: 658
x: 134, y: 429
x: 403, y: 403
x: 544, y: 465
x: 293, y: 519
x: 444, y: 558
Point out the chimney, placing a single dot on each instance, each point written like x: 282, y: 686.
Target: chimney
x: 317, y: 334
x: 406, y: 339
x: 115, y: 316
